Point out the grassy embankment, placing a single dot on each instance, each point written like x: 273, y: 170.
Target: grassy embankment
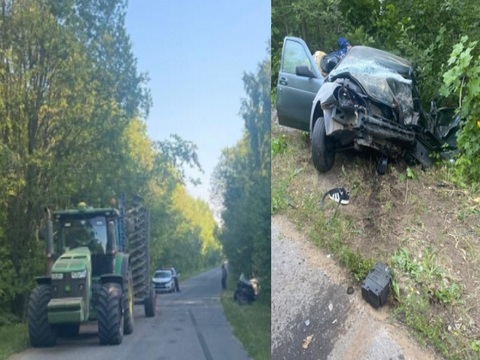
x: 13, y: 338
x: 250, y: 323
x: 419, y: 223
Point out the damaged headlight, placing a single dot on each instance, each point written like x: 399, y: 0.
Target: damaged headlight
x: 348, y: 99
x: 79, y: 274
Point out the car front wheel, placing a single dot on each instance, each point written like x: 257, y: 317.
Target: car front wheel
x: 323, y: 147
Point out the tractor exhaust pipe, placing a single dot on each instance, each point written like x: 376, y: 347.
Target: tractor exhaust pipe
x: 49, y: 240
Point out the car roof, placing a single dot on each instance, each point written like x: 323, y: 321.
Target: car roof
x: 161, y: 270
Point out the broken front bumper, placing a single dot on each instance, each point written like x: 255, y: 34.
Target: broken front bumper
x: 348, y: 126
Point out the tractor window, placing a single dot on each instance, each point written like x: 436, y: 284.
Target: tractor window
x: 91, y: 233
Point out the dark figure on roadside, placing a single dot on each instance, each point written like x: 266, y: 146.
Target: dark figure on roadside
x: 175, y: 278
x: 246, y: 291
x: 224, y: 276
x: 329, y: 61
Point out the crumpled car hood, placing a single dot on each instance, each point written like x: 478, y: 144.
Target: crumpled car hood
x: 386, y: 78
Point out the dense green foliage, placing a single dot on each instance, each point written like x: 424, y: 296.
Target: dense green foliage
x: 463, y: 80
x: 242, y: 180
x: 425, y: 32
x: 71, y: 129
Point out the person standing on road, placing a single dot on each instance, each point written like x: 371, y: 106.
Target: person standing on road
x: 175, y: 279
x: 224, y: 276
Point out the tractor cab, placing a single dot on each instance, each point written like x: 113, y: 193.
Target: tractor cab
x: 82, y: 232
x: 97, y: 229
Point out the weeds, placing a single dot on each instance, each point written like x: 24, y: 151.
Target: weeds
x: 386, y: 214
x: 427, y: 276
x: 415, y: 312
x: 424, y: 286
x: 279, y: 198
x: 279, y: 145
x: 410, y: 174
x: 475, y: 346
x: 13, y: 338
x: 251, y: 325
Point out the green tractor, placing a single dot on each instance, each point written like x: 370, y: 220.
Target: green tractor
x: 98, y: 267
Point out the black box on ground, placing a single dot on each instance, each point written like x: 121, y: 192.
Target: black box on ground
x: 376, y: 286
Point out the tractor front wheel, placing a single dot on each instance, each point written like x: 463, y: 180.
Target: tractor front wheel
x: 110, y: 316
x: 41, y: 332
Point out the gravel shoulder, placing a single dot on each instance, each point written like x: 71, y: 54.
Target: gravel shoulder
x: 311, y: 307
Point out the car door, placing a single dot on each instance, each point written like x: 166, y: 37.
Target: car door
x: 298, y: 82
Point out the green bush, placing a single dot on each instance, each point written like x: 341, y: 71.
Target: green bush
x: 463, y: 81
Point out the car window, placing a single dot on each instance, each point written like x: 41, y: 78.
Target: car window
x: 162, y: 275
x: 293, y: 56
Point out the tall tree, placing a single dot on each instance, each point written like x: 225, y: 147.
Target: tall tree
x: 63, y: 117
x: 242, y: 180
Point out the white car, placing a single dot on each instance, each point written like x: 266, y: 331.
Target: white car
x: 163, y: 281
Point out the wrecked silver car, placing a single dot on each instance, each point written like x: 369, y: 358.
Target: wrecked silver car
x: 368, y: 100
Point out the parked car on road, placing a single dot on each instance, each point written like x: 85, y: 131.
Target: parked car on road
x: 369, y: 100
x: 163, y: 281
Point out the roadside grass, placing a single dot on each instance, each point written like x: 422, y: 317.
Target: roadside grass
x: 251, y: 324
x: 13, y: 339
x: 420, y: 224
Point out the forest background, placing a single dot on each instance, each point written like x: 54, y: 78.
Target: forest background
x: 72, y: 110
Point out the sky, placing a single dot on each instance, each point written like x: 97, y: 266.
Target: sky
x: 195, y: 53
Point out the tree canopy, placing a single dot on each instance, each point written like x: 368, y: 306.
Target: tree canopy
x: 242, y: 180
x: 72, y: 109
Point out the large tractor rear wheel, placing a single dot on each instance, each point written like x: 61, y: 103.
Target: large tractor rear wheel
x: 150, y: 303
x: 41, y: 332
x: 128, y: 308
x: 110, y: 316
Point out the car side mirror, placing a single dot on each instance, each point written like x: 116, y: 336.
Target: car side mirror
x: 303, y: 70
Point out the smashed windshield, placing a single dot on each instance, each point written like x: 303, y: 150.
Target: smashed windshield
x: 91, y: 233
x: 385, y: 77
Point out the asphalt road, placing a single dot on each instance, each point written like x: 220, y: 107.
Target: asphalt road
x: 189, y: 325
